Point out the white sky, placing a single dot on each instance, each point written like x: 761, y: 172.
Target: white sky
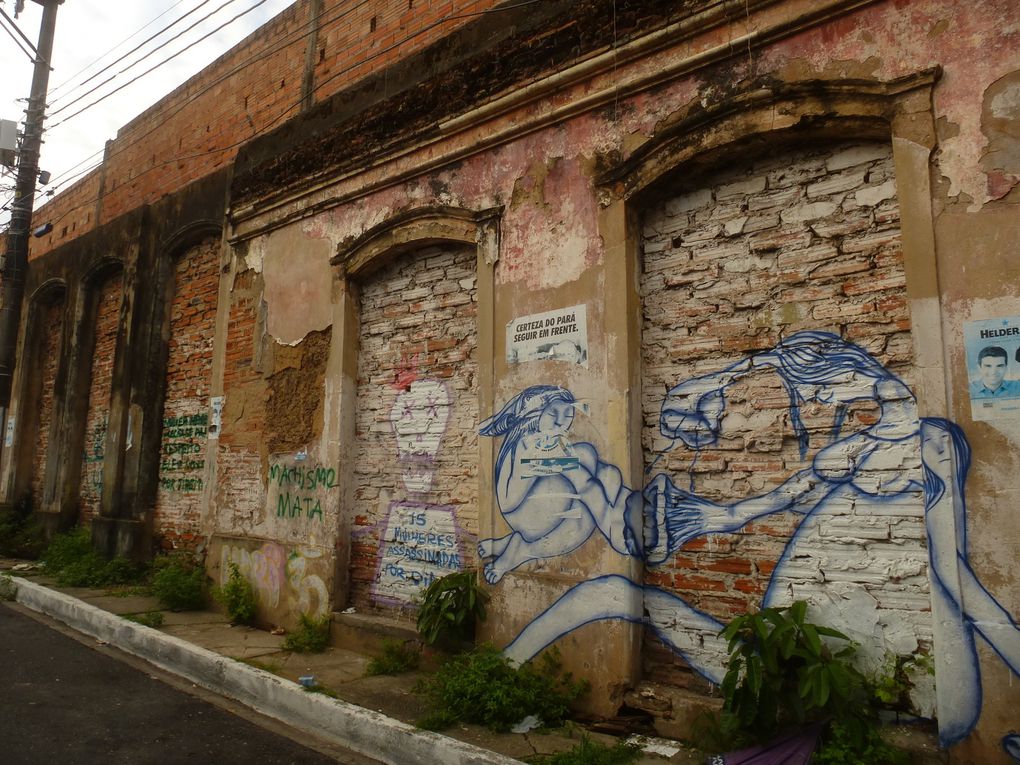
x: 90, y: 35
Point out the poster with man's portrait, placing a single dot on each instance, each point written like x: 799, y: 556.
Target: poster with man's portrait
x: 993, y: 367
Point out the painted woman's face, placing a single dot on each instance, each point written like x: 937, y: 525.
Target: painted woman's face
x: 556, y: 418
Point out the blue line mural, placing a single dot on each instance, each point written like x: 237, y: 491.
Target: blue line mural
x: 554, y: 495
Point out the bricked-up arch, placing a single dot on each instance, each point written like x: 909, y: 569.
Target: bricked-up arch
x: 37, y: 402
x: 191, y: 305
x: 415, y: 287
x: 103, y: 294
x: 743, y: 239
x: 799, y: 239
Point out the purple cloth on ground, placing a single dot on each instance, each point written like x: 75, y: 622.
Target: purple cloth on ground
x: 792, y: 749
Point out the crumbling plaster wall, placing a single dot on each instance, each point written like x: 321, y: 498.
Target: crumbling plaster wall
x: 554, y: 250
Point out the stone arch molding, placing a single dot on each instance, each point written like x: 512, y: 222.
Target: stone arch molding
x: 855, y: 108
x: 418, y: 228
x: 179, y: 241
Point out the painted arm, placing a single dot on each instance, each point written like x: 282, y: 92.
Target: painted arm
x: 676, y: 516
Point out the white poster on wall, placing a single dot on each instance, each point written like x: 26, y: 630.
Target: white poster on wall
x: 560, y: 335
x: 993, y: 367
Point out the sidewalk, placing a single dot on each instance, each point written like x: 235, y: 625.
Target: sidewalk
x: 371, y: 715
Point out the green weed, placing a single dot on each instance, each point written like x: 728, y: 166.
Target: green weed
x: 397, y: 657
x: 179, y: 583
x: 481, y: 686
x: 237, y: 596
x: 152, y: 619
x: 311, y: 636
x: 783, y: 675
x: 71, y: 558
x: 589, y: 752
x: 20, y: 533
x: 321, y: 689
x: 450, y: 606
x: 8, y: 588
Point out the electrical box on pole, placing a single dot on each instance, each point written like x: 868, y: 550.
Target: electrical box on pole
x: 8, y: 142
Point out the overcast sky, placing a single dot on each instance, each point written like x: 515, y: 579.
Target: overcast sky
x: 90, y: 36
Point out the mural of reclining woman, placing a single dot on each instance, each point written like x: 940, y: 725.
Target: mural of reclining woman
x: 895, y: 463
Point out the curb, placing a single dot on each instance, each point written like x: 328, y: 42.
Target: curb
x: 361, y: 730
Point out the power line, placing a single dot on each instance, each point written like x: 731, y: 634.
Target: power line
x: 294, y: 105
x: 288, y: 40
x: 19, y: 43
x: 159, y: 47
x: 136, y: 32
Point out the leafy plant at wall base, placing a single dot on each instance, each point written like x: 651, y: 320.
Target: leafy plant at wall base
x: 8, y: 588
x: 397, y: 656
x: 450, y: 607
x: 179, y: 583
x: 781, y: 674
x: 71, y: 558
x: 589, y: 752
x: 237, y: 596
x: 311, y: 636
x: 894, y: 682
x: 482, y: 686
x: 20, y: 533
x: 841, y: 745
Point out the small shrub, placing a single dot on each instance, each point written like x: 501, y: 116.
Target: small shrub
x: 782, y: 675
x: 450, y: 607
x: 20, y: 533
x: 237, y: 596
x: 179, y: 583
x: 482, y: 686
x: 311, y: 636
x: 8, y: 588
x: 152, y: 619
x: 397, y: 657
x: 71, y: 558
x: 589, y: 752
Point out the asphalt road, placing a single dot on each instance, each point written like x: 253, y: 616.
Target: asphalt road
x: 65, y: 700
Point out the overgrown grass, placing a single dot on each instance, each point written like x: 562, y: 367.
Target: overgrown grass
x: 311, y: 636
x: 179, y: 583
x: 152, y: 619
x: 588, y: 752
x: 481, y: 686
x: 237, y: 596
x: 71, y: 558
x: 397, y: 657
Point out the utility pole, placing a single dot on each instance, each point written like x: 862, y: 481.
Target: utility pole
x: 16, y: 261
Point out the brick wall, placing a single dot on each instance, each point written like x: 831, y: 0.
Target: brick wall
x: 50, y: 320
x: 186, y: 407
x: 251, y: 89
x: 240, y: 489
x: 807, y: 240
x: 415, y: 469
x: 107, y: 318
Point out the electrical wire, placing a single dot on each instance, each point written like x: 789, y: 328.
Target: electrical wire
x: 287, y: 41
x: 152, y: 52
x: 289, y: 109
x: 138, y: 31
x: 18, y: 42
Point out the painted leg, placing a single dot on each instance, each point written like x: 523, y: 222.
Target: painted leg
x: 608, y: 597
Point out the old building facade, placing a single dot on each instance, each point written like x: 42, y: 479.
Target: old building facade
x: 654, y: 312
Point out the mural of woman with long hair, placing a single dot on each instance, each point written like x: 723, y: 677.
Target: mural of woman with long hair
x: 898, y: 462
